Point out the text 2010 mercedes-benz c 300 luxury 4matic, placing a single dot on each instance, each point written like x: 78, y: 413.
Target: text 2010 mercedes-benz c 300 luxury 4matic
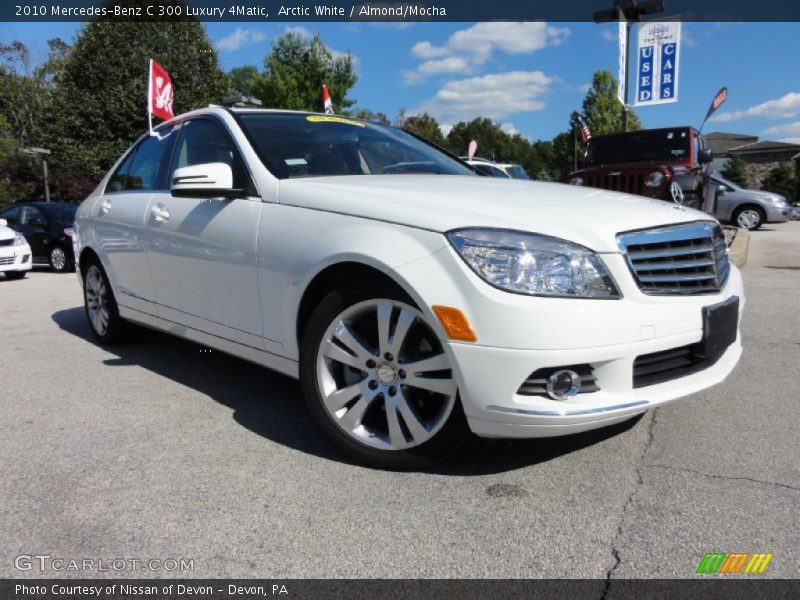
x: 416, y: 302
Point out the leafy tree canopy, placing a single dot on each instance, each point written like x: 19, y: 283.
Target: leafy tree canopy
x: 736, y: 171
x: 99, y: 105
x: 295, y: 70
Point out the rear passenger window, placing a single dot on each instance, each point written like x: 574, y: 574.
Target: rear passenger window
x: 145, y: 170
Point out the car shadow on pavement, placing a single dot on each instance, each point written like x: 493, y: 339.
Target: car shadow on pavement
x: 271, y: 405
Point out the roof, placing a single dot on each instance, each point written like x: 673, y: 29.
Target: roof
x: 765, y: 146
x: 720, y: 142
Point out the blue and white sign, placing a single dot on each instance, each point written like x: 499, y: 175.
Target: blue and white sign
x: 657, y: 71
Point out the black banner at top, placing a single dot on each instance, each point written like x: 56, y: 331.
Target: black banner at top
x: 387, y: 10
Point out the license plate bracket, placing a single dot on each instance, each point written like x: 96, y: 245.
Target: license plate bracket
x: 720, y: 326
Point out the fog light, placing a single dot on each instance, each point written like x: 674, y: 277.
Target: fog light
x: 25, y: 258
x: 564, y: 384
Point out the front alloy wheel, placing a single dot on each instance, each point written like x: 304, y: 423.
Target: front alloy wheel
x: 382, y: 386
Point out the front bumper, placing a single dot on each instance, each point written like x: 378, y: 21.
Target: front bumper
x: 518, y: 335
x: 778, y: 214
x: 15, y: 258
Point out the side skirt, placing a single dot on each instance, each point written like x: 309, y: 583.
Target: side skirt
x: 260, y: 357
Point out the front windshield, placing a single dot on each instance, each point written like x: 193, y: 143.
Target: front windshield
x: 639, y: 146
x: 307, y: 145
x: 517, y: 172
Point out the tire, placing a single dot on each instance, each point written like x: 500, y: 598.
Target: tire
x: 367, y: 400
x: 101, y: 306
x: 16, y: 274
x: 750, y: 217
x: 59, y: 261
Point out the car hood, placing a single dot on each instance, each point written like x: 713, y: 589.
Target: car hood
x: 754, y: 194
x: 440, y: 203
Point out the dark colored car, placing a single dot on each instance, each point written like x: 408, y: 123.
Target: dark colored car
x: 48, y: 228
x: 669, y: 164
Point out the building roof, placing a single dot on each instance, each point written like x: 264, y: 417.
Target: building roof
x: 765, y: 146
x: 720, y: 143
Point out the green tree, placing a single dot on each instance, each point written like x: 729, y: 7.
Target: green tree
x: 780, y: 180
x: 736, y: 171
x: 295, y: 70
x: 243, y: 79
x: 425, y: 126
x: 602, y: 110
x: 99, y: 105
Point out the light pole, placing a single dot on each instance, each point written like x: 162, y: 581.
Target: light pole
x: 629, y: 12
x: 41, y: 152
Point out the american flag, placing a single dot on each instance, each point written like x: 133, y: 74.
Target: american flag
x: 326, y: 100
x: 586, y: 133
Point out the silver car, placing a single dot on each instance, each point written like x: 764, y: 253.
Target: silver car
x: 748, y: 208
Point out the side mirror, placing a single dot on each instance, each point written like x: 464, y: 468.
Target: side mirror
x: 705, y: 156
x: 720, y: 190
x: 3, y: 223
x: 38, y: 222
x: 209, y: 180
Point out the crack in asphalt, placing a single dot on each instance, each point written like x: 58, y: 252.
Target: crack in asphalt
x: 726, y: 477
x: 639, y: 482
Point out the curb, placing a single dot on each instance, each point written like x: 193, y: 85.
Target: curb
x: 738, y: 249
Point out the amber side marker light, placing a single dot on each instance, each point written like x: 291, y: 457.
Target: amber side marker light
x: 455, y: 324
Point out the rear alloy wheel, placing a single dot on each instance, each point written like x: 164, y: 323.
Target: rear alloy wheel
x: 749, y: 217
x: 379, y: 382
x: 58, y: 259
x: 101, y: 307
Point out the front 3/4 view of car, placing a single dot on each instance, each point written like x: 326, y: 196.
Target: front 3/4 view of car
x: 416, y: 302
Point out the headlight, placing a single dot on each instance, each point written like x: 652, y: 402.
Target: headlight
x: 779, y: 200
x: 19, y: 240
x: 654, y: 179
x: 576, y: 181
x: 533, y: 264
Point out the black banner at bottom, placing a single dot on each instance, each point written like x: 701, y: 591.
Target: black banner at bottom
x: 713, y: 587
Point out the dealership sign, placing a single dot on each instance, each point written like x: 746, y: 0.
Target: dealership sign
x: 657, y: 72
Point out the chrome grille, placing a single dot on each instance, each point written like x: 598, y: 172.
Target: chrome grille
x: 8, y: 242
x: 7, y: 260
x: 677, y: 260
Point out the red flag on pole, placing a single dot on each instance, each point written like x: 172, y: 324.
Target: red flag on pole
x: 586, y: 133
x: 159, y: 93
x: 326, y: 100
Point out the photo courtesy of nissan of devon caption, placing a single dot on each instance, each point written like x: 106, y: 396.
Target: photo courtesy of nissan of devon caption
x: 416, y: 301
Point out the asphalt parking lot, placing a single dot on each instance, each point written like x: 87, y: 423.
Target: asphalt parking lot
x: 163, y: 449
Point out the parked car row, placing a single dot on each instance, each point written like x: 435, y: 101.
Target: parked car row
x: 672, y: 164
x: 47, y: 227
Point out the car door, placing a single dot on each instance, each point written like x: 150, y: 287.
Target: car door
x: 33, y: 226
x: 202, y: 251
x: 120, y: 216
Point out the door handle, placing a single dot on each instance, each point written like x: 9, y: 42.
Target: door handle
x: 160, y: 213
x: 105, y: 206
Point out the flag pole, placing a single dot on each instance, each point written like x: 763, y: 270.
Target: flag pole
x: 149, y: 94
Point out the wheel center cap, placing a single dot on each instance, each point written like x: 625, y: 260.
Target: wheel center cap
x: 386, y: 374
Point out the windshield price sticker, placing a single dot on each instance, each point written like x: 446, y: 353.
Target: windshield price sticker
x: 329, y: 119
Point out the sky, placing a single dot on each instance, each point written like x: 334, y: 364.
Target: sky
x: 528, y: 76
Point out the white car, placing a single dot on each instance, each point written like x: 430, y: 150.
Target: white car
x: 415, y: 301
x: 15, y: 253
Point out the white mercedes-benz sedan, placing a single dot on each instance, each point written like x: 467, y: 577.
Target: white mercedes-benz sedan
x: 416, y: 302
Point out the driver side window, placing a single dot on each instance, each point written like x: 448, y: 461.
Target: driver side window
x: 31, y: 216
